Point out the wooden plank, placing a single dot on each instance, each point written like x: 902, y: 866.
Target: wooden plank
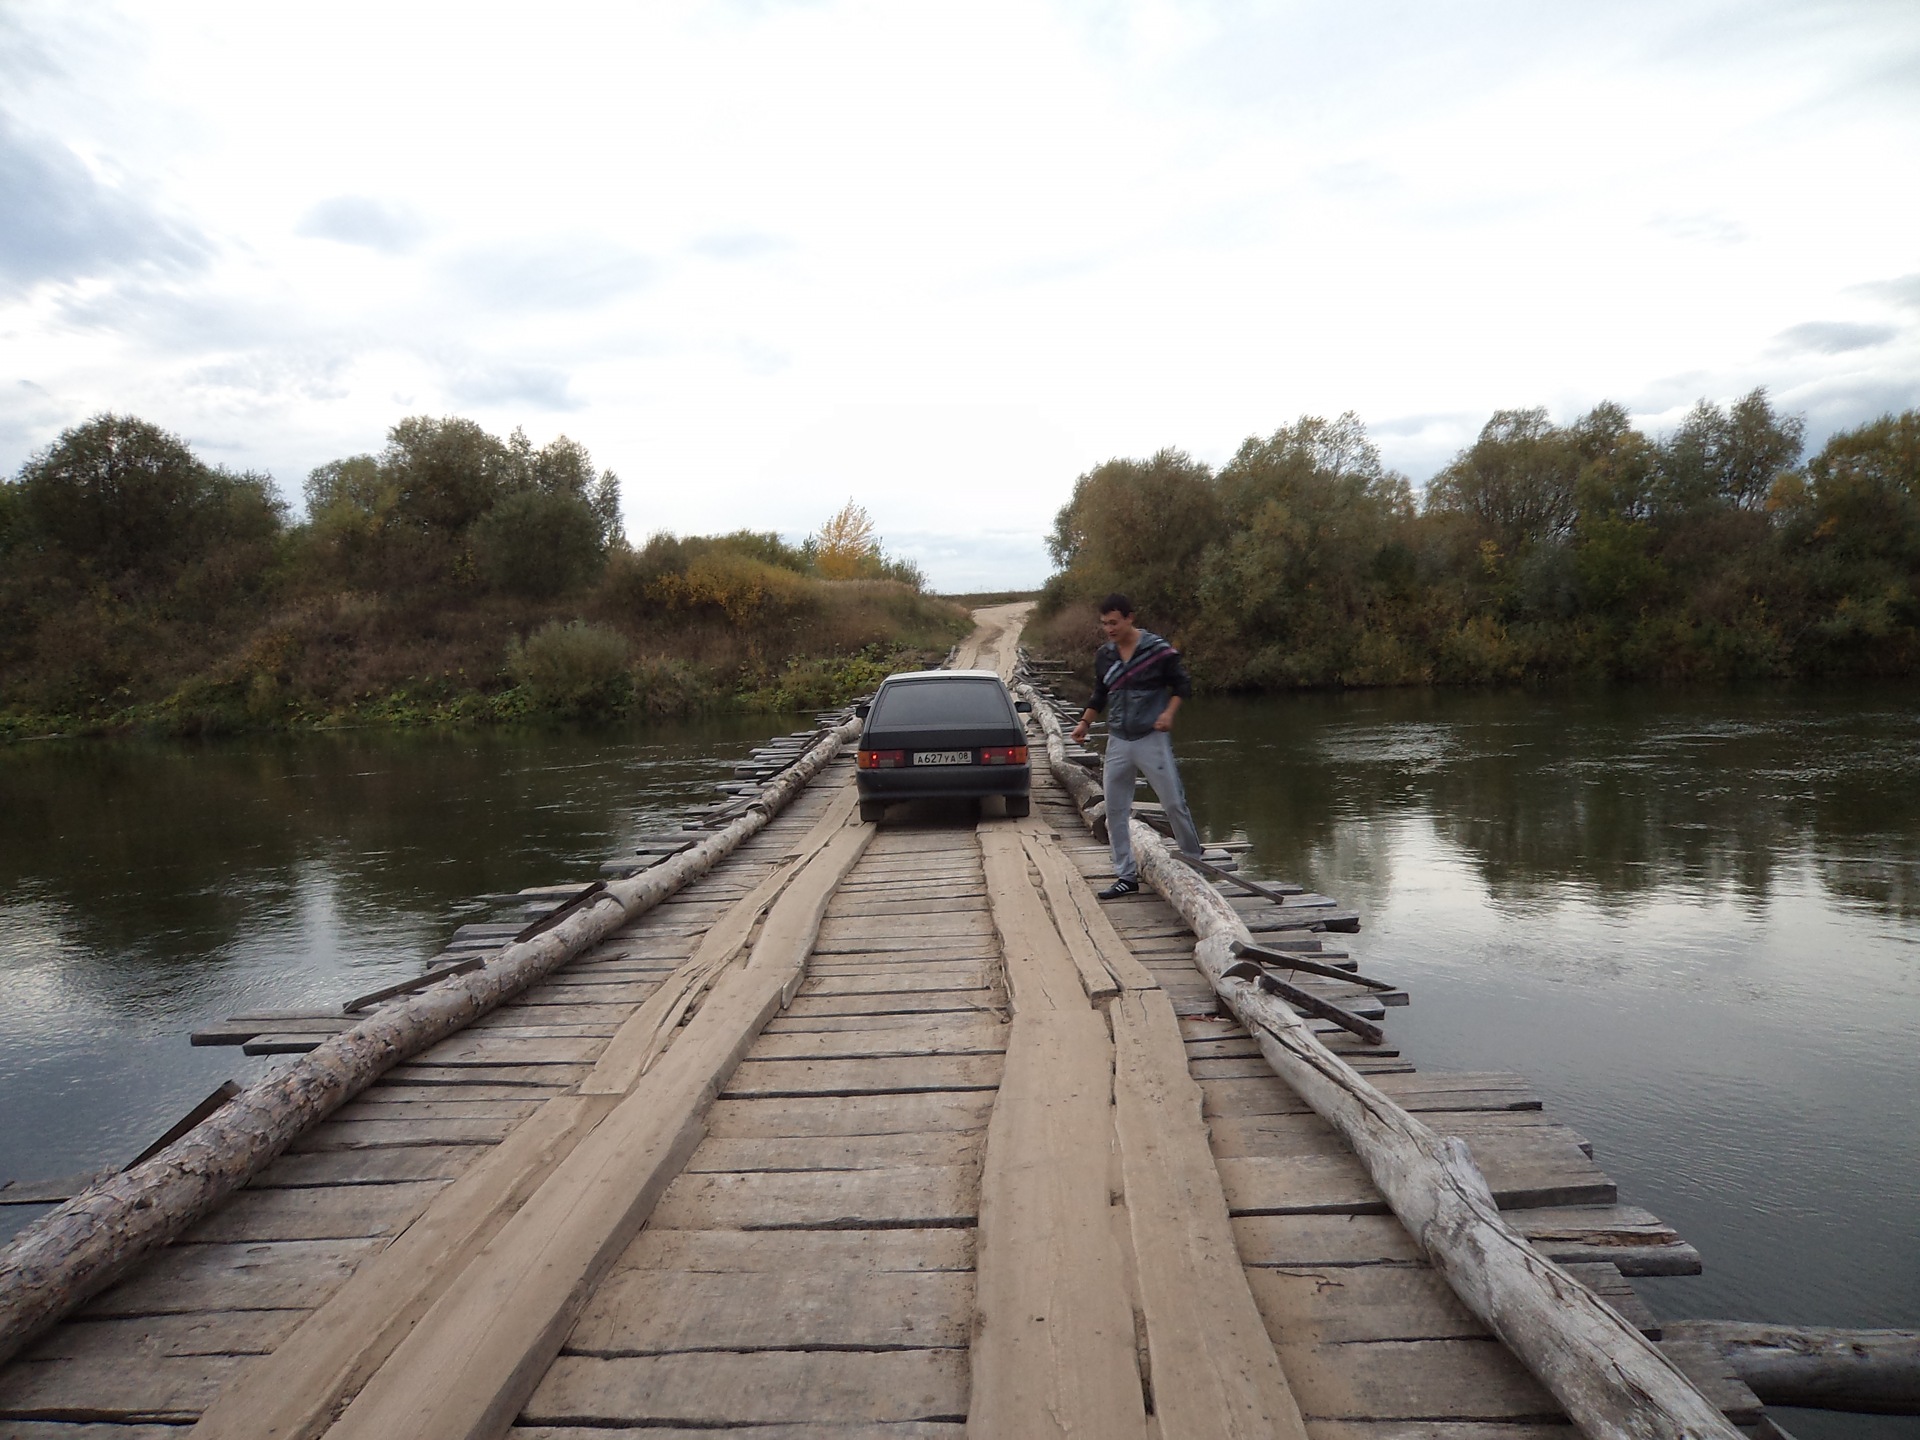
x: 985, y: 1000
x: 219, y: 1332
x: 382, y: 1166
x: 547, y: 1078
x: 961, y: 1013
x: 644, y: 1037
x: 808, y: 1251
x: 848, y: 902
x: 1214, y: 1371
x: 84, y: 1430
x: 337, y: 1348
x: 472, y: 1047
x: 1332, y: 1429
x: 316, y: 1214
x: 886, y: 1114
x: 755, y: 1388
x: 972, y: 977
x: 927, y: 1037
x: 378, y: 1134
x: 1422, y: 1092
x: 656, y: 1311
x: 1105, y: 963
x: 1053, y: 1354
x: 159, y: 1388
x: 900, y: 930
x: 291, y: 1274
x: 393, y: 1096
x: 1390, y: 1302
x: 479, y: 1351
x: 1519, y: 1174
x: 836, y: 1152
x: 1277, y: 1136
x: 1415, y: 1380
x: 834, y: 1199
x: 847, y: 957
x: 765, y: 1078
x: 1638, y: 1242
x: 1620, y: 1235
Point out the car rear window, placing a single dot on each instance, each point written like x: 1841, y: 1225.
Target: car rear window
x: 942, y: 702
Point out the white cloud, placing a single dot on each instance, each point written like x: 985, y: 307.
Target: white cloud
x: 362, y: 220
x: 759, y: 257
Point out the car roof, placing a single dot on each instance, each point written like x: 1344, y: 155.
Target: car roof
x: 907, y: 677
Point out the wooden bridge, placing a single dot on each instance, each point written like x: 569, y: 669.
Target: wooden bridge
x: 819, y: 1129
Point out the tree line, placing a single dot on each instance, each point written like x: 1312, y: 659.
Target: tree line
x: 1542, y: 550
x: 453, y: 568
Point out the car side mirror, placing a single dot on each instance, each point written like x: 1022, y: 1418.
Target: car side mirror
x: 861, y: 708
x: 1025, y: 707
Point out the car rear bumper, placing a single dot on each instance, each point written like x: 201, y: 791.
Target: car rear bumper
x: 938, y: 782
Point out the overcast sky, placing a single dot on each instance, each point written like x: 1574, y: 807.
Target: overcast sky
x: 762, y: 257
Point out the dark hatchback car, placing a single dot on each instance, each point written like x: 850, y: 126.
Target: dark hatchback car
x: 949, y: 734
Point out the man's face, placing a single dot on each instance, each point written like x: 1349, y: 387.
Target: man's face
x: 1119, y: 626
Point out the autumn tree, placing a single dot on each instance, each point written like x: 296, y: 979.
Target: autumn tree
x: 845, y: 547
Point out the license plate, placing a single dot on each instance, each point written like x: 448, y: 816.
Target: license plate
x: 943, y: 757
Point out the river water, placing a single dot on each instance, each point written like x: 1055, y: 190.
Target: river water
x: 1692, y: 920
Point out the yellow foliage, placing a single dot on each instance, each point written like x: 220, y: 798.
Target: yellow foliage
x: 742, y: 589
x: 845, y: 546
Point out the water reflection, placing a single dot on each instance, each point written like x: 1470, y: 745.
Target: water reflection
x: 146, y: 888
x: 1691, y: 921
x: 1612, y: 796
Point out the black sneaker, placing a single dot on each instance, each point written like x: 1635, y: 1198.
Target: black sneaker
x: 1119, y: 888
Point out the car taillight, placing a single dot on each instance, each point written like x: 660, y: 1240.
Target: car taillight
x: 1004, y: 755
x: 882, y: 760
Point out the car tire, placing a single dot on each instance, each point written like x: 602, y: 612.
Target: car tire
x: 871, y: 811
x: 1019, y: 805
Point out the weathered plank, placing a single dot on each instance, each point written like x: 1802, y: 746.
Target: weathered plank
x: 1414, y: 1380
x: 833, y: 1199
x: 1214, y: 1371
x: 1422, y: 1092
x: 719, y: 1154
x: 1519, y: 1174
x: 1392, y: 1302
x: 483, y: 1345
x: 329, y: 1213
x: 755, y: 1388
x: 288, y: 1275
x: 810, y: 1251
x: 926, y: 1037
x: 1054, y: 1351
x: 1277, y: 1136
x: 338, y: 1346
x: 656, y: 1311
x: 882, y: 1114
x: 160, y: 1388
x: 766, y: 1078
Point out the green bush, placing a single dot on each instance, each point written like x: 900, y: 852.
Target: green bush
x: 539, y: 544
x: 576, y: 669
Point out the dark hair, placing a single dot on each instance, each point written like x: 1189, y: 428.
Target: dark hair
x: 1116, y: 601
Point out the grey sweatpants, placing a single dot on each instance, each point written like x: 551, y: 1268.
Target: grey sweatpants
x: 1152, y: 756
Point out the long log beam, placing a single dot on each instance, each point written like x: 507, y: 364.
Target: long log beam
x: 1873, y: 1372
x: 1612, y: 1381
x: 73, y: 1253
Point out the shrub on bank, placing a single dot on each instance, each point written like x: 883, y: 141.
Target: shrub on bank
x: 575, y: 669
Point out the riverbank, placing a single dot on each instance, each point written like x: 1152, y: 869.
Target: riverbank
x: 357, y: 661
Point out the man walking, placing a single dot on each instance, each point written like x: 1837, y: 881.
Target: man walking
x: 1144, y: 680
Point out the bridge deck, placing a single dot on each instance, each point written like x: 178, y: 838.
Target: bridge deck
x: 818, y: 1264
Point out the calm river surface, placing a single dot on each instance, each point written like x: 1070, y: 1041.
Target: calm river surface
x: 1693, y: 921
